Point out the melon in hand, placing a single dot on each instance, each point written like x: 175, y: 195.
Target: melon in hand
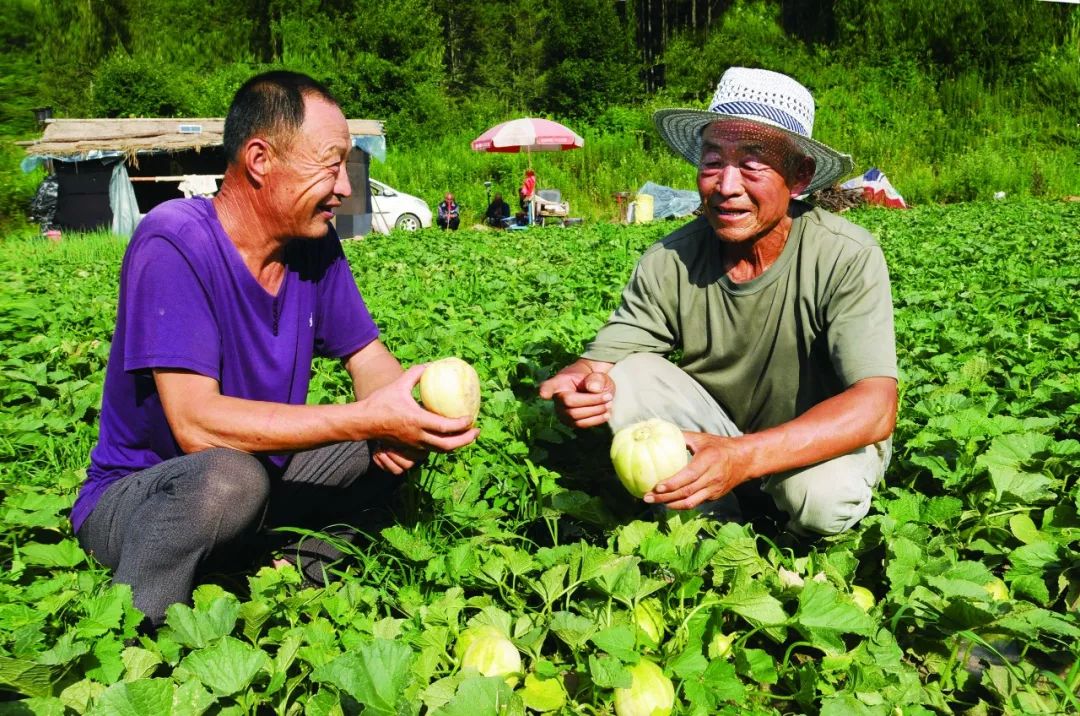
x: 646, y: 453
x: 451, y: 388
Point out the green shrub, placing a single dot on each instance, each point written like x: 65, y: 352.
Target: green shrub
x: 1055, y: 76
x: 992, y: 37
x: 217, y: 90
x: 589, y: 58
x: 749, y: 34
x: 16, y: 188
x: 19, y: 69
x: 622, y: 119
x: 125, y: 86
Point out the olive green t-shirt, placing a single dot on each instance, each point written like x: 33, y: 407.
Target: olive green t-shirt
x: 815, y: 322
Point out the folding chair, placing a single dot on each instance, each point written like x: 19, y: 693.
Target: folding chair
x: 548, y: 204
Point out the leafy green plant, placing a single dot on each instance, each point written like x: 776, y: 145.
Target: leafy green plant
x: 528, y: 531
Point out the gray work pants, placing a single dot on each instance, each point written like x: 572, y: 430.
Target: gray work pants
x: 156, y: 528
x: 826, y: 498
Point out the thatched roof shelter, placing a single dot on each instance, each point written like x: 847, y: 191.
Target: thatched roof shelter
x: 109, y: 172
x: 72, y: 137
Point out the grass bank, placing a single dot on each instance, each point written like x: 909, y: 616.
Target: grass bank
x: 956, y: 140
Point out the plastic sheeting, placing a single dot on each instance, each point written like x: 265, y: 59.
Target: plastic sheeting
x: 877, y: 189
x: 43, y: 206
x: 125, y: 209
x: 670, y: 203
x: 32, y: 162
x: 374, y: 145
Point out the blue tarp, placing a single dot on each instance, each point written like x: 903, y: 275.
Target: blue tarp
x: 670, y: 203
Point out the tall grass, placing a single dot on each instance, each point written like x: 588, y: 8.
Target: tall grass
x: 16, y: 188
x: 939, y: 142
x: 940, y: 138
x: 587, y: 177
x: 954, y: 140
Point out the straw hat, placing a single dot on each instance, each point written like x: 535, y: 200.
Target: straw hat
x: 767, y: 98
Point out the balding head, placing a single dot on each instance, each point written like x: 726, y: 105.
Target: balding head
x: 270, y: 105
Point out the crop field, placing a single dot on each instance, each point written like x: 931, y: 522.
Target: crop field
x: 971, y: 550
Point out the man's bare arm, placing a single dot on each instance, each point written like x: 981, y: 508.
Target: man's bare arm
x: 200, y: 417
x: 372, y: 367
x: 863, y: 414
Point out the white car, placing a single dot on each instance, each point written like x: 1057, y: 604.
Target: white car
x: 392, y: 209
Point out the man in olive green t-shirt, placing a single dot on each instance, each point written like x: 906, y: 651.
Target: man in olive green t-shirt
x: 781, y: 314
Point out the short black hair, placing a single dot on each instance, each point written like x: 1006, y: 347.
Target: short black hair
x: 271, y: 103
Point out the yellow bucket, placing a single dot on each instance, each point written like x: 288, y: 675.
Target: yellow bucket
x: 643, y: 208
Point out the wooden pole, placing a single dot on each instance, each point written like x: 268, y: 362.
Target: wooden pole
x: 175, y: 178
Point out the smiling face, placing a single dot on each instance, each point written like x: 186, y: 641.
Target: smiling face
x: 747, y: 178
x: 310, y: 178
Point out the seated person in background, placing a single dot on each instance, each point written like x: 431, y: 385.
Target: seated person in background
x: 449, y: 214
x: 497, y: 212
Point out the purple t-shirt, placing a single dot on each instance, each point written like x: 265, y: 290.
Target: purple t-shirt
x: 188, y: 301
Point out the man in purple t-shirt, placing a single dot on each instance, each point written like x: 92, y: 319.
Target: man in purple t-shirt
x: 223, y: 304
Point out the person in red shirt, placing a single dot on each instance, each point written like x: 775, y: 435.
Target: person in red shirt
x: 528, y: 187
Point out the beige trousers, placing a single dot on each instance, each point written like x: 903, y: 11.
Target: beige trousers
x: 826, y: 498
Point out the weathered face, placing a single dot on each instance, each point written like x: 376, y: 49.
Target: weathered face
x: 747, y: 178
x: 310, y: 177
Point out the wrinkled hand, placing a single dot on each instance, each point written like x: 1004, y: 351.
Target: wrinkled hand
x: 396, y: 459
x: 396, y: 419
x: 582, y: 400
x: 714, y: 470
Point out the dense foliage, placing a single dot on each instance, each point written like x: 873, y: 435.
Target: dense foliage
x: 529, y: 531
x: 900, y: 83
x: 573, y: 59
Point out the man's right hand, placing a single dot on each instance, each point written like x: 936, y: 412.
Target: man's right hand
x: 582, y: 393
x: 395, y: 416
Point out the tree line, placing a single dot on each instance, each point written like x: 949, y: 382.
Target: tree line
x: 955, y: 99
x: 434, y: 65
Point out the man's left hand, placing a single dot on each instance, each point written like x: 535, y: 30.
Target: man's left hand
x: 714, y: 470
x: 396, y: 459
